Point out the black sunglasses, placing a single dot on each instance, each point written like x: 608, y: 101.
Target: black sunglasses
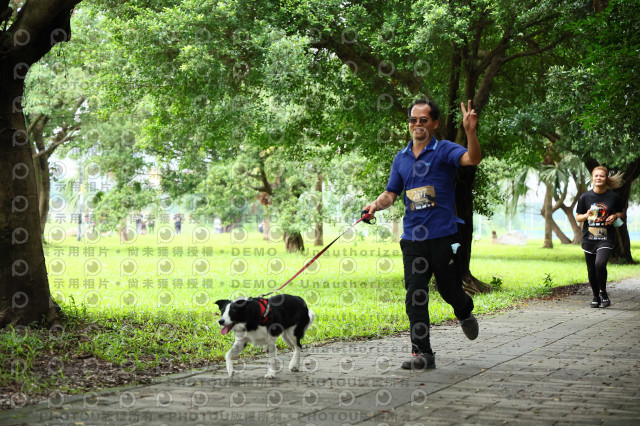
x: 423, y: 120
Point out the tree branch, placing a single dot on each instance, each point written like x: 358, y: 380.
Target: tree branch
x: 552, y: 17
x: 480, y: 25
x: 499, y: 49
x: 560, y: 201
x: 79, y: 103
x: 33, y: 123
x: 47, y: 152
x: 537, y: 51
x: 37, y: 132
x: 553, y: 137
x: 481, y: 97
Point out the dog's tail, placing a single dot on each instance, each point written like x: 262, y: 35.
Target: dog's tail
x: 301, y: 329
x: 312, y: 317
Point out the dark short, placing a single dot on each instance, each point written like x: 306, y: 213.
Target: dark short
x: 592, y: 246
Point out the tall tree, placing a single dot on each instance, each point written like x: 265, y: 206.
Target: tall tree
x: 556, y: 172
x: 287, y: 193
x: 29, y: 30
x: 595, y: 98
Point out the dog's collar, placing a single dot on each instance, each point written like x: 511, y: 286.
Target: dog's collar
x: 265, y: 309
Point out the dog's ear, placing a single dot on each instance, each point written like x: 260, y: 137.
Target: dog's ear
x: 222, y: 303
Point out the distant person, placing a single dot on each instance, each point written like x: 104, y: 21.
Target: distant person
x: 425, y: 172
x: 601, y: 210
x: 152, y: 224
x: 177, y: 223
x: 139, y: 224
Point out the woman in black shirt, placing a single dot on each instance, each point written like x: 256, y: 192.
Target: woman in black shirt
x: 599, y: 208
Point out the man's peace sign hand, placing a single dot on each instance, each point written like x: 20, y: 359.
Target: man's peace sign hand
x: 469, y: 117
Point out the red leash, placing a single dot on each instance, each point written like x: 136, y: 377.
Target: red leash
x: 366, y: 217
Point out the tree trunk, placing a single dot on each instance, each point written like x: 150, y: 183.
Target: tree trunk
x: 265, y: 201
x: 561, y: 235
x: 621, y: 253
x: 35, y: 132
x: 44, y: 192
x: 397, y: 231
x: 575, y: 226
x: 266, y: 226
x: 24, y: 289
x: 25, y: 297
x: 318, y: 239
x: 123, y: 233
x: 318, y: 235
x: 41, y: 154
x: 43, y: 179
x: 547, y: 213
x: 478, y: 92
x: 293, y: 242
x: 464, y: 210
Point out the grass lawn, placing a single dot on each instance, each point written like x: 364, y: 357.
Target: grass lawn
x: 146, y: 308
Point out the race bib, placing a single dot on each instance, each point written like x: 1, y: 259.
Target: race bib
x: 597, y: 233
x: 421, y: 198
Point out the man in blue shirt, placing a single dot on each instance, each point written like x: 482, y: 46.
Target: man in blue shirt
x: 425, y: 171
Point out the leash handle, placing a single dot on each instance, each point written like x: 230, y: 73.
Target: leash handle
x: 362, y: 219
x: 368, y: 218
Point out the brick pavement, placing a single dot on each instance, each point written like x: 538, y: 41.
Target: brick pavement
x: 547, y: 362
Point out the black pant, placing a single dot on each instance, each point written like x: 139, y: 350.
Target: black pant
x: 597, y: 255
x: 422, y: 259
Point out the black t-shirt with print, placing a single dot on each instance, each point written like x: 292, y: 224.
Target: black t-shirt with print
x: 600, y: 207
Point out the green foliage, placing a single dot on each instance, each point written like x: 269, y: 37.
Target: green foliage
x: 285, y: 190
x: 52, y: 83
x: 594, y: 96
x: 487, y: 192
x: 224, y: 193
x: 304, y: 74
x: 496, y: 284
x: 61, y: 87
x: 113, y: 151
x: 612, y: 59
x: 547, y: 284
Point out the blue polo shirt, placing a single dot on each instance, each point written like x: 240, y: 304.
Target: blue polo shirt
x: 428, y: 185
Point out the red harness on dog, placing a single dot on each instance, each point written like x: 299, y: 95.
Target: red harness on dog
x: 265, y: 309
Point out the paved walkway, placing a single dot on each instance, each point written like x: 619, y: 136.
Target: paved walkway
x: 549, y: 362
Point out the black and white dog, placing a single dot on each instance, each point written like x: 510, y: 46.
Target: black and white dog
x: 260, y: 321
